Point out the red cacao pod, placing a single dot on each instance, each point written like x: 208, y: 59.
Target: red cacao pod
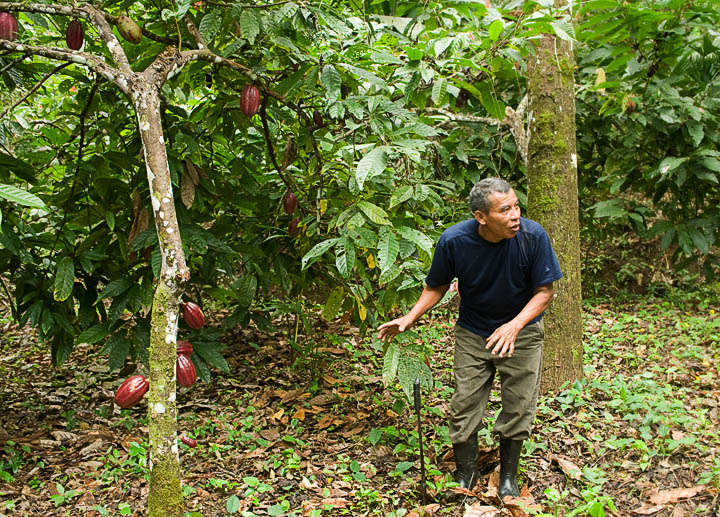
x: 8, y: 27
x: 131, y: 391
x: 193, y: 315
x: 290, y: 202
x: 188, y: 441
x: 250, y: 100
x: 74, y: 35
x: 129, y: 30
x: 184, y: 348
x: 186, y: 375
x: 293, y: 229
x: 317, y: 118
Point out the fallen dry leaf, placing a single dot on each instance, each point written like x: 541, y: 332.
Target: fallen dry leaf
x: 481, y: 511
x: 673, y: 496
x: 299, y: 414
x: 568, y: 467
x: 647, y: 509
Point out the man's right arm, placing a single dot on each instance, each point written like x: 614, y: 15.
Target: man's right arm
x: 428, y: 299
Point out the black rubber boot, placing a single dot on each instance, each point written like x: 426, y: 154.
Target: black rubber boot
x: 509, y: 457
x: 466, y: 455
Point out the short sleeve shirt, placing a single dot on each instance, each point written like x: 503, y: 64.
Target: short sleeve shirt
x: 495, y: 280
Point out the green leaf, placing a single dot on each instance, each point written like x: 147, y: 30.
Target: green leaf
x: 333, y: 303
x: 233, y: 504
x: 439, y: 91
x: 421, y: 240
x: 212, y: 355
x: 345, y: 256
x: 374, y: 436
x: 490, y: 102
x: 372, y: 164
x: 400, y: 195
x: 612, y: 208
x: 373, y: 212
x: 387, y: 250
x: 115, y: 288
x: 390, y: 363
x: 245, y: 289
x: 564, y: 30
x: 317, y: 251
x: 249, y: 25
x: 699, y: 240
x: 64, y: 279
x: 389, y: 274
x: 20, y: 196
x: 670, y: 164
x: 210, y: 25
x: 94, y: 334
x: 495, y: 29
x: 119, y: 348
x: 332, y: 81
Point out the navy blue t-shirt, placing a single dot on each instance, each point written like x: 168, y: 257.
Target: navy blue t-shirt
x: 495, y: 280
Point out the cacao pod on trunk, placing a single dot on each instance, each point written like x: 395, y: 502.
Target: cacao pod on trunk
x: 8, y: 27
x: 193, y: 315
x: 293, y: 227
x: 185, y: 368
x: 184, y: 348
x: 250, y: 100
x: 290, y: 202
x: 74, y: 35
x: 129, y: 30
x: 131, y: 391
x: 188, y: 441
x: 317, y: 118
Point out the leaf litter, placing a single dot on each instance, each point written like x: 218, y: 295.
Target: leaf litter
x: 641, y: 429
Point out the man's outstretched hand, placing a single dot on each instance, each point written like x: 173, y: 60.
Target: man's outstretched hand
x: 389, y: 330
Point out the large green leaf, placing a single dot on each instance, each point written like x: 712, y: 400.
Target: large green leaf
x: 373, y: 163
x: 332, y: 81
x: 20, y: 196
x: 388, y: 247
x: 373, y: 212
x: 317, y: 251
x: 333, y: 303
x: 345, y: 256
x: 210, y: 25
x: 390, y: 362
x: 64, y: 279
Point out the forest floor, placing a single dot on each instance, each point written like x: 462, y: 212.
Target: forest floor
x: 639, y: 435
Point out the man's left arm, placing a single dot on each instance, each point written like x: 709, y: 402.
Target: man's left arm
x: 503, y: 339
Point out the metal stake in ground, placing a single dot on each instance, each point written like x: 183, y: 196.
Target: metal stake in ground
x: 416, y: 394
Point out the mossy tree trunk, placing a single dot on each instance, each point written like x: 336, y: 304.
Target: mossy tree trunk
x: 165, y: 496
x: 553, y: 199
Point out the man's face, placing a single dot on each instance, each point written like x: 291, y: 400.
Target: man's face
x: 502, y: 220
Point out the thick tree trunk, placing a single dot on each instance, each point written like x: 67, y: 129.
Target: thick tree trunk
x: 553, y: 200
x: 165, y: 496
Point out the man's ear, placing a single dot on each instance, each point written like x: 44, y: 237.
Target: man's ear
x: 479, y: 216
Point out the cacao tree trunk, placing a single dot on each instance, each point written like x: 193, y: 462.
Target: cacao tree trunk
x: 553, y: 199
x: 165, y: 495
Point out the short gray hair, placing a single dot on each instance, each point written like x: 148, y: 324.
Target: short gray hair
x: 480, y: 193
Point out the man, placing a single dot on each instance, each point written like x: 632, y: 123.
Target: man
x: 505, y: 266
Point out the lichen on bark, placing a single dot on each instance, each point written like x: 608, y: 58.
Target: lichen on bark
x: 553, y: 202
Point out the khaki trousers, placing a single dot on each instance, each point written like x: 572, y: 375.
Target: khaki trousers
x: 474, y: 369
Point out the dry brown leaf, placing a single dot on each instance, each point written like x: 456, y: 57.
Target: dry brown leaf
x: 673, y: 496
x: 481, y: 511
x: 278, y: 414
x: 93, y: 447
x: 337, y: 502
x: 647, y: 509
x: 135, y: 226
x: 187, y: 190
x: 293, y: 395
x: 357, y: 428
x: 330, y: 381
x: 64, y: 436
x: 270, y: 435
x: 299, y: 414
x: 568, y: 467
x: 327, y: 421
x: 191, y: 171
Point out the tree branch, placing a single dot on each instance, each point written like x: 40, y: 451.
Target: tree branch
x: 13, y: 63
x: 81, y: 58
x: 34, y: 88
